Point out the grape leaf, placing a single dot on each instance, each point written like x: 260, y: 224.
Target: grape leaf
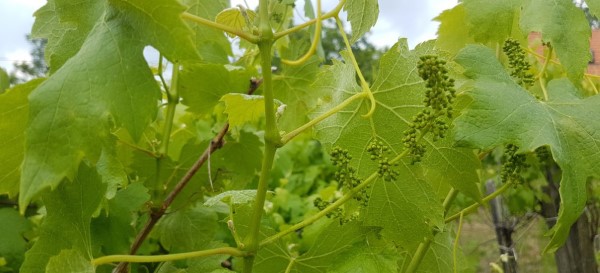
x: 65, y: 126
x: 362, y: 15
x: 327, y: 247
x: 158, y: 22
x: 69, y: 207
x: 491, y: 21
x: 366, y: 259
x: 188, y: 229
x: 236, y: 18
x: 399, y: 93
x: 14, y: 112
x: 13, y: 245
x: 211, y: 43
x: 293, y: 88
x: 439, y: 258
x: 242, y: 109
x: 69, y: 261
x: 112, y: 230
x: 65, y: 24
x: 203, y: 85
x: 452, y: 33
x: 563, y: 25
x: 502, y: 112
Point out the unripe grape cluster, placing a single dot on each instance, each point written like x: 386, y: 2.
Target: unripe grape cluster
x: 543, y: 155
x: 322, y: 204
x: 513, y: 165
x: 439, y: 97
x: 378, y: 152
x: 518, y: 63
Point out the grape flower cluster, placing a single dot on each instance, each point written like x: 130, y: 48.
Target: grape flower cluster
x: 385, y: 170
x: 520, y: 67
x: 513, y: 165
x: 439, y: 96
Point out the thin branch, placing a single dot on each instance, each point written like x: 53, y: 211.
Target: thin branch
x: 216, y: 143
x: 168, y: 257
x: 199, y: 20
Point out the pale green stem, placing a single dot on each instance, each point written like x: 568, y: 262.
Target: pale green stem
x: 313, y: 47
x: 172, y: 101
x: 486, y: 199
x: 419, y: 255
x: 199, y: 20
x: 331, y: 14
x: 169, y: 257
x: 543, y: 71
x: 455, y: 248
x: 363, y: 82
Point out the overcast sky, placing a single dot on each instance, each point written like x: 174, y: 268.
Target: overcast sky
x: 397, y: 18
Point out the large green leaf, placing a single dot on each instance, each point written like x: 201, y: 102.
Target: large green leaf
x: 158, y: 23
x: 399, y: 94
x: 502, y: 112
x: 13, y: 246
x: 67, y: 225
x: 452, y: 33
x: 362, y: 15
x: 14, y: 113
x: 106, y: 84
x: 563, y: 25
x: 69, y: 261
x: 188, y: 229
x: 65, y: 24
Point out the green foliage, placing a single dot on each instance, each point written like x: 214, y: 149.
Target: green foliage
x: 214, y: 168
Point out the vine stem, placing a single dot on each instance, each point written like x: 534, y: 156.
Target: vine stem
x: 333, y: 13
x: 530, y: 51
x: 216, y: 143
x: 363, y: 83
x: 199, y: 20
x: 455, y: 247
x: 289, y: 136
x: 169, y: 257
x: 272, y: 137
x: 172, y: 101
x: 313, y: 46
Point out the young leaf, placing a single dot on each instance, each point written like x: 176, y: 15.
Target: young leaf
x: 70, y: 207
x: 232, y: 197
x: 563, y: 25
x: 159, y: 24
x: 502, y: 112
x: 452, y: 33
x: 491, y: 21
x: 236, y: 18
x: 14, y: 113
x: 188, y: 229
x: 362, y: 15
x: 66, y: 126
x: 242, y: 109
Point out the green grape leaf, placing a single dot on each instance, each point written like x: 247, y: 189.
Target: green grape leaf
x: 211, y: 43
x: 69, y: 261
x: 362, y: 15
x: 232, y: 197
x: 439, y: 258
x: 452, y: 33
x: 112, y: 230
x: 65, y: 126
x: 4, y: 80
x: 236, y: 18
x: 65, y: 24
x: 188, y: 229
x: 366, y: 259
x: 243, y: 109
x: 159, y: 23
x: 491, y: 21
x: 399, y: 93
x: 13, y: 245
x: 319, y: 257
x: 69, y: 207
x: 502, y: 112
x: 293, y: 88
x: 14, y: 113
x: 563, y: 25
x: 203, y: 85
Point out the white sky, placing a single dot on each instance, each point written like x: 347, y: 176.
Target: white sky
x: 397, y: 18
